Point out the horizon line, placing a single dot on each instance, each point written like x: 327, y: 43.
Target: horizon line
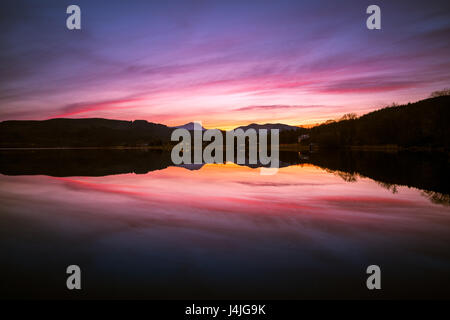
x: 226, y: 128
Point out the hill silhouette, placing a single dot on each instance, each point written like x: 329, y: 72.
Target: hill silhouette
x: 423, y: 123
x: 420, y: 124
x: 268, y: 126
x: 92, y: 132
x: 191, y: 126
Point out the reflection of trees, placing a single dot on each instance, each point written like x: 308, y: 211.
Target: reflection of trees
x: 391, y: 187
x: 346, y: 176
x: 421, y: 170
x: 437, y: 197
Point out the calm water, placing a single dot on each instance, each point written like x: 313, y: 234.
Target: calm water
x: 141, y: 228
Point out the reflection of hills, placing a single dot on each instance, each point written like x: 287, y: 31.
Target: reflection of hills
x: 82, y: 162
x: 427, y: 171
x: 191, y: 166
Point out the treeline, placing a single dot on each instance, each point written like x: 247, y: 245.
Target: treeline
x: 421, y: 124
x: 82, y: 133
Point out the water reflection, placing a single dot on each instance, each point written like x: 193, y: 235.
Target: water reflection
x: 222, y: 230
x: 426, y: 171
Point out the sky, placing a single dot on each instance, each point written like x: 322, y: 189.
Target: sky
x: 224, y: 63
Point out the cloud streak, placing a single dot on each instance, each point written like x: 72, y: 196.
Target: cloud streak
x: 288, y: 60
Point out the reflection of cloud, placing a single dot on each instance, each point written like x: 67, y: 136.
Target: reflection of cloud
x: 277, y: 184
x: 368, y: 202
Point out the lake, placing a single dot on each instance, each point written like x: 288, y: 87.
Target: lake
x: 140, y: 227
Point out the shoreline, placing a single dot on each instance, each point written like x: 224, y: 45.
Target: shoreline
x: 282, y: 147
x: 391, y: 148
x: 88, y: 148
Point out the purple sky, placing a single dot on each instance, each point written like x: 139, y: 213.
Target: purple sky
x: 225, y: 63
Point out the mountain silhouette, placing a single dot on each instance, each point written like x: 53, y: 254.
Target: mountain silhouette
x: 420, y: 124
x: 191, y: 126
x: 268, y: 126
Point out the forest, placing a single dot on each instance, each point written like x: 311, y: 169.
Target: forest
x: 421, y: 124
